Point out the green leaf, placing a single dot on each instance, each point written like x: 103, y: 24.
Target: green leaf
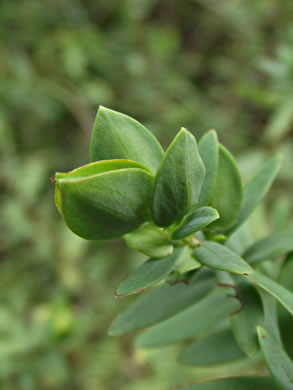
x: 92, y: 169
x: 216, y: 256
x: 223, y: 278
x: 280, y: 218
x: 239, y: 240
x: 193, y: 321
x: 280, y: 122
x: 270, y: 314
x: 257, y: 188
x: 202, y: 274
x: 178, y: 180
x: 270, y: 247
x: 106, y: 205
x: 117, y: 136
x: 160, y: 303
x: 227, y: 194
x: 278, y: 362
x: 150, y: 240
x: 214, y: 349
x: 284, y: 296
x: 243, y: 383
x: 209, y: 152
x: 195, y: 221
x: 149, y: 273
x: 244, y: 323
x: 188, y: 264
x: 287, y: 271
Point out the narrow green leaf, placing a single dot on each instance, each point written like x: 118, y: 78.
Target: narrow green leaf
x: 195, y: 221
x: 284, y: 296
x: 159, y: 304
x: 244, y: 323
x: 242, y: 383
x: 216, y: 256
x: 92, y: 169
x: 286, y: 278
x: 280, y: 218
x: 270, y: 247
x: 193, y: 321
x: 278, y: 362
x: 214, y: 349
x: 178, y: 180
x: 280, y: 122
x: 117, y: 136
x: 271, y: 322
x: 257, y: 188
x: 106, y: 205
x: 224, y: 277
x: 240, y: 240
x: 149, y: 273
x: 150, y: 240
x: 209, y: 152
x: 227, y: 194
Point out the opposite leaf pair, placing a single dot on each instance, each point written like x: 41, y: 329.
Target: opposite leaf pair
x: 131, y: 181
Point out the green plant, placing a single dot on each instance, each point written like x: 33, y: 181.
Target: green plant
x: 186, y: 209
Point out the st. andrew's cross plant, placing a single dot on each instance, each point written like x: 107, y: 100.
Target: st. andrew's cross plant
x: 186, y: 209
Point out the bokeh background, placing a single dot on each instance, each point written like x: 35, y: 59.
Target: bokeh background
x: 201, y: 64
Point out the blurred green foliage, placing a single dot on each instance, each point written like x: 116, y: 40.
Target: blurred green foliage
x: 199, y: 64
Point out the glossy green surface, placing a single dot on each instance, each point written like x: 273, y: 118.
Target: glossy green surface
x: 209, y: 152
x: 244, y: 323
x: 106, y: 205
x: 228, y: 192
x: 195, y: 221
x: 159, y: 304
x: 218, y: 348
x: 193, y: 321
x: 148, y: 274
x: 89, y: 170
x: 117, y: 136
x: 216, y: 256
x: 178, y: 180
x: 278, y: 362
x: 284, y: 296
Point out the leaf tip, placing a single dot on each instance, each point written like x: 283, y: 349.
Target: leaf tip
x: 183, y: 132
x: 118, y: 294
x: 102, y: 108
x: 261, y: 332
x: 212, y: 132
x: 113, y: 330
